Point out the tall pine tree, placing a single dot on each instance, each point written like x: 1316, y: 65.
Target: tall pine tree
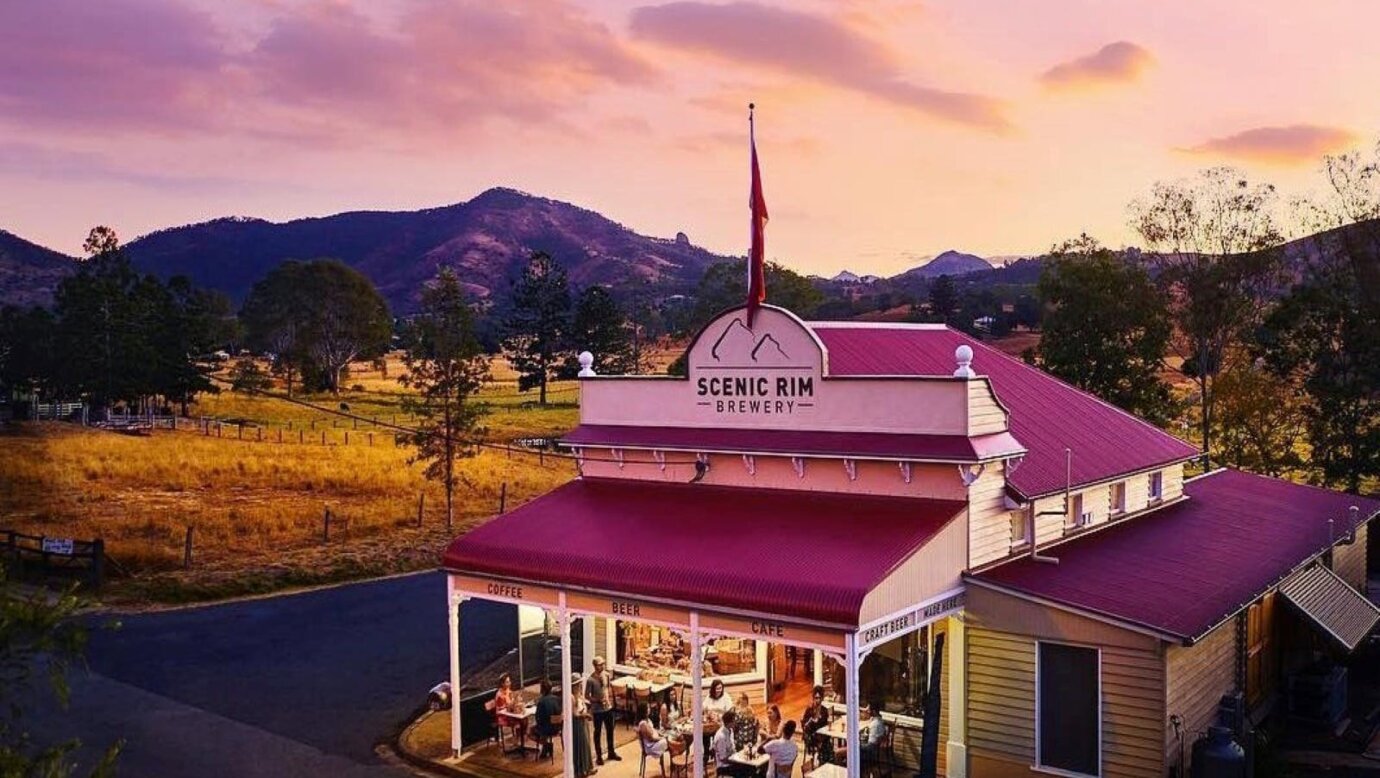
x: 538, y: 326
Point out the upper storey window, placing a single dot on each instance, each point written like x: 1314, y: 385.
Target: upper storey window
x: 1118, y: 497
x: 1157, y: 485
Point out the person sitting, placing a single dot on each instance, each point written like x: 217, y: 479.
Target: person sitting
x: 772, y: 730
x: 548, y: 717
x: 653, y: 742
x: 782, y: 750
x: 717, y: 702
x: 722, y: 748
x: 873, y: 729
x: 745, y: 731
x: 509, y: 700
x: 814, y: 719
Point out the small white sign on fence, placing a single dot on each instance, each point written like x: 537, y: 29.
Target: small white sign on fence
x: 62, y: 546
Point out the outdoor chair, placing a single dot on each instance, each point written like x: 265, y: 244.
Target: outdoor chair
x: 661, y: 759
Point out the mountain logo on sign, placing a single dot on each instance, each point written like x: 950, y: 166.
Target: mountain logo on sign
x: 763, y: 350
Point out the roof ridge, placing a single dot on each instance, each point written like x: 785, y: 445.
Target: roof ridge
x: 1051, y: 376
x: 1286, y: 481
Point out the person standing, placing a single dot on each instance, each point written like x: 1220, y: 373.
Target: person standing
x: 599, y: 696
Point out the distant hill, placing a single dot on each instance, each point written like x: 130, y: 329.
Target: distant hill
x: 486, y: 240
x: 949, y: 263
x: 849, y: 277
x: 29, y: 273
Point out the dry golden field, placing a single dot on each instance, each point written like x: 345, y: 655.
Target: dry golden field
x: 256, y: 505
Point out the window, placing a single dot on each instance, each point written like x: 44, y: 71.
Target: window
x: 1157, y: 485
x: 1018, y: 527
x: 896, y: 674
x: 1118, y: 497
x: 1077, y: 517
x: 1068, y: 708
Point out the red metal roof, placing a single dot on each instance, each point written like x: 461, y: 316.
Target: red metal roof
x: 795, y: 555
x: 1047, y: 415
x: 1183, y: 569
x: 945, y: 448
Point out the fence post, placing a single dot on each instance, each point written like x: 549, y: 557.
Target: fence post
x: 356, y: 423
x: 280, y: 434
x: 421, y: 501
x: 323, y: 437
x: 97, y: 563
x: 260, y: 432
x: 241, y: 432
x: 219, y: 429
x: 313, y: 424
x: 503, y: 497
x: 326, y: 526
x: 187, y: 548
x: 289, y: 423
x: 301, y: 436
x: 371, y: 440
x: 347, y: 437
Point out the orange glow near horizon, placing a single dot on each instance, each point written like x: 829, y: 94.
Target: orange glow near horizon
x: 888, y: 130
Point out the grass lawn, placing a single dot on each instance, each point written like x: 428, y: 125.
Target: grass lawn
x: 256, y: 505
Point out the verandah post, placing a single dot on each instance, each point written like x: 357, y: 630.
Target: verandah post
x: 850, y: 642
x: 567, y: 693
x: 453, y: 600
x: 696, y: 699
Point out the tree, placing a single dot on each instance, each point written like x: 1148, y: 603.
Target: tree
x: 724, y: 286
x: 27, y: 349
x: 1325, y: 338
x: 1105, y: 328
x: 36, y: 633
x: 1214, y: 243
x: 247, y: 377
x: 943, y: 299
x: 600, y: 328
x: 445, y: 366
x: 538, y: 326
x: 317, y: 317
x: 104, y: 318
x: 1260, y: 419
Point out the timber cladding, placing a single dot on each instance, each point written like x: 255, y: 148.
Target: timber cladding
x: 1197, y: 678
x: 1349, y: 562
x: 1001, y: 686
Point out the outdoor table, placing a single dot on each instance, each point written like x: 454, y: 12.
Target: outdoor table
x: 528, y: 712
x: 829, y: 770
x: 756, y: 761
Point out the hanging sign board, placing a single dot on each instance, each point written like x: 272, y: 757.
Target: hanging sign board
x: 911, y: 620
x: 628, y: 609
x: 771, y: 631
x: 507, y: 591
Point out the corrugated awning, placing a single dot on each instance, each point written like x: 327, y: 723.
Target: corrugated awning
x: 1332, y: 604
x: 794, y: 555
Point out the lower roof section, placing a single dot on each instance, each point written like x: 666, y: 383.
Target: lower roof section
x: 1182, y: 570
x: 1332, y: 604
x: 797, y: 556
x: 856, y: 445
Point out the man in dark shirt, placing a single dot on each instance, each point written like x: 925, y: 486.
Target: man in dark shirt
x: 547, y: 716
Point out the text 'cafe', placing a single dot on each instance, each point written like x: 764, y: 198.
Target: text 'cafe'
x: 1018, y: 575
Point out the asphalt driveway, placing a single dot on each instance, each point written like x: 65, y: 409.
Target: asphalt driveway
x: 302, y: 684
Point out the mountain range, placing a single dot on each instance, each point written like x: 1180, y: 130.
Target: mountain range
x: 486, y: 240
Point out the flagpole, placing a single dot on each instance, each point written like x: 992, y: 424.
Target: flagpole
x: 752, y: 149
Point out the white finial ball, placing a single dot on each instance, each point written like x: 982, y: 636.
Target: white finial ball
x: 963, y: 355
x: 586, y: 364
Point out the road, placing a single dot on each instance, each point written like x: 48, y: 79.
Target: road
x: 301, y: 684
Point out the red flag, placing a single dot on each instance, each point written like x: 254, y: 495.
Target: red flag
x: 757, y: 281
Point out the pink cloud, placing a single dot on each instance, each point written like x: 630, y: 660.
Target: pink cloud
x: 1116, y: 63
x: 814, y: 47
x: 109, y: 65
x: 444, y: 65
x: 1291, y: 145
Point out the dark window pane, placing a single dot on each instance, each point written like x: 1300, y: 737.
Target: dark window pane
x: 1068, y: 708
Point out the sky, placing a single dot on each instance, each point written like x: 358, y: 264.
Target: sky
x: 888, y: 131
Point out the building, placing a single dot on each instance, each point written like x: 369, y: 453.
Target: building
x: 1019, y: 573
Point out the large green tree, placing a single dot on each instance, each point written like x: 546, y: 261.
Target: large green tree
x: 27, y: 349
x: 600, y: 328
x: 724, y: 286
x: 1324, y: 336
x: 445, y: 367
x: 1214, y: 244
x: 317, y: 317
x: 943, y: 294
x: 538, y: 324
x: 1105, y: 328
